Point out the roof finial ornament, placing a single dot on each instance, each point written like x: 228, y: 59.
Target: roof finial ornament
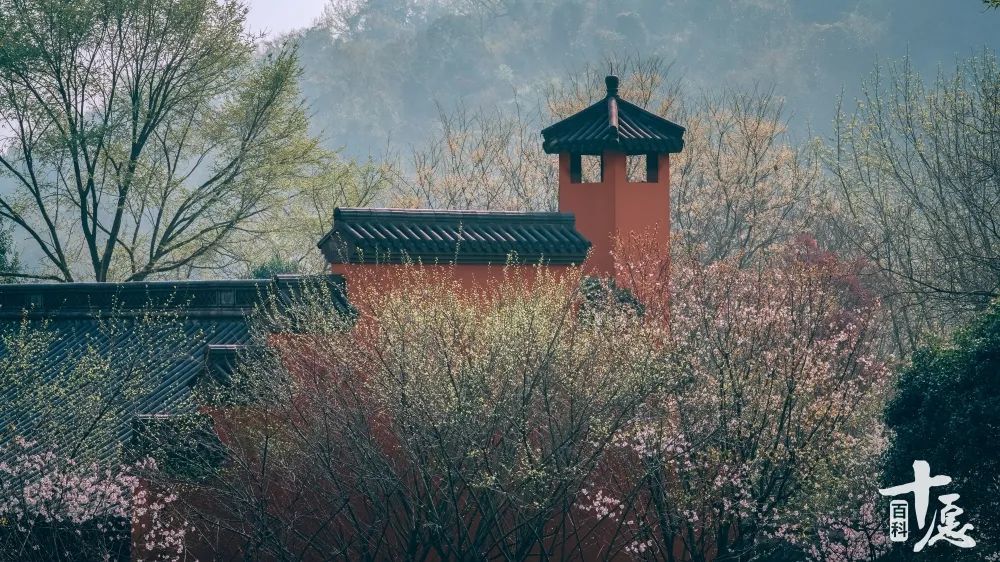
x: 611, y: 81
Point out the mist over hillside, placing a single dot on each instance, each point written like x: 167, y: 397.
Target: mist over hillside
x: 375, y: 71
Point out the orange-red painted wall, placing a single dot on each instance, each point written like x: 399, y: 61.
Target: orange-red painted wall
x: 615, y: 209
x: 382, y: 277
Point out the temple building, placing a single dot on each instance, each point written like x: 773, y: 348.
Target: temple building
x: 626, y: 147
x: 617, y: 136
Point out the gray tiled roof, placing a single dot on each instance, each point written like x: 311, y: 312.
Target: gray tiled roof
x: 206, y: 317
x: 466, y: 237
x: 613, y: 124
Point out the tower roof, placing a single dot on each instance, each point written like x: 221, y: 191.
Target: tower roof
x: 613, y: 124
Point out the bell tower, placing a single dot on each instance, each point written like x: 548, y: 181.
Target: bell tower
x: 630, y: 195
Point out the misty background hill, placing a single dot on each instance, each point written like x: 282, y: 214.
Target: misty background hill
x: 377, y: 74
x: 376, y: 71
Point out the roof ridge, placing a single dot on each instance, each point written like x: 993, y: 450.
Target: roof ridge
x: 633, y: 107
x: 431, y: 214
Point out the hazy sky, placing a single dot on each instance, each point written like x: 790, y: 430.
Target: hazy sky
x: 278, y: 16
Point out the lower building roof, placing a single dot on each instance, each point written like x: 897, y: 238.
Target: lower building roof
x: 150, y: 342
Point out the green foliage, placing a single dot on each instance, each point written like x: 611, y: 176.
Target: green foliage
x: 599, y: 294
x: 293, y: 228
x: 274, y: 266
x: 946, y: 412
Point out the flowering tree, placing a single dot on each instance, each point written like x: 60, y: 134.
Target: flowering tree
x: 531, y: 419
x: 742, y: 187
x: 72, y: 385
x: 53, y: 508
x: 444, y: 425
x: 774, y: 433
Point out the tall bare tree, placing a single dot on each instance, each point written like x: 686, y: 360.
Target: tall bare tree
x: 918, y: 165
x: 479, y: 160
x: 140, y: 137
x: 742, y: 186
x: 286, y: 243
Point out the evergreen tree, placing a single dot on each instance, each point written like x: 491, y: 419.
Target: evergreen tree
x: 947, y: 411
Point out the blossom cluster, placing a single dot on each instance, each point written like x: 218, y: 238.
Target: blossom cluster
x: 779, y: 381
x: 44, y: 491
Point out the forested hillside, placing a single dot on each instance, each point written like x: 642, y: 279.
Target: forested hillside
x: 376, y: 70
